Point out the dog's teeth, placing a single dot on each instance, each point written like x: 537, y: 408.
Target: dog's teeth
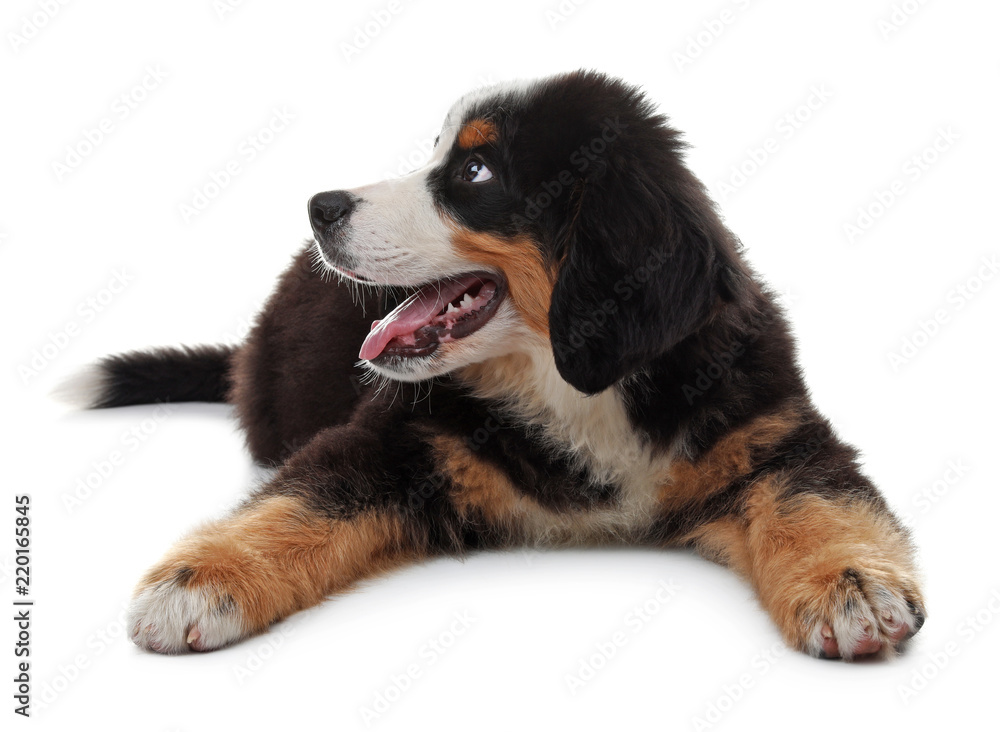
x: 466, y: 301
x: 451, y: 308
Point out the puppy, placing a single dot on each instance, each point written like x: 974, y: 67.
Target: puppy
x: 560, y: 344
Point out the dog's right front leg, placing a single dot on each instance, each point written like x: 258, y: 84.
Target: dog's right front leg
x: 338, y: 512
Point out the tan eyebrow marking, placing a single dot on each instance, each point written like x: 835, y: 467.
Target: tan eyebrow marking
x: 477, y: 132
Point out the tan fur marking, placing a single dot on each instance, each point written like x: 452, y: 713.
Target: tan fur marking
x: 724, y: 542
x: 480, y: 492
x: 795, y: 551
x: 480, y: 487
x: 801, y: 547
x: 477, y: 132
x: 501, y: 377
x: 276, y: 557
x: 689, y: 482
x: 520, y: 261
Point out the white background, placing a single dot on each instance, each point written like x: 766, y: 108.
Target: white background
x: 695, y: 660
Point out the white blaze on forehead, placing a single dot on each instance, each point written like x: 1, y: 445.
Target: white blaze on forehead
x: 502, y: 94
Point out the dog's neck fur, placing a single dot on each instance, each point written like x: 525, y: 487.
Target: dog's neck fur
x: 595, y: 430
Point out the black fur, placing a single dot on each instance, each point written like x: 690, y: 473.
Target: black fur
x: 185, y: 374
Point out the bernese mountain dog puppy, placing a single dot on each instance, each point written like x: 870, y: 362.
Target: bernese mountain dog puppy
x: 543, y: 337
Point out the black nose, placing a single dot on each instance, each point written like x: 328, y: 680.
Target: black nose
x: 329, y: 208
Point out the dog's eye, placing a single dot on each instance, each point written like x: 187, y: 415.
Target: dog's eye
x: 476, y: 172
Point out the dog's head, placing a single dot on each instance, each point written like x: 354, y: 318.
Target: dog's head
x: 558, y: 210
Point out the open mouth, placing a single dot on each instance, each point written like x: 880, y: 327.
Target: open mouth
x: 439, y: 312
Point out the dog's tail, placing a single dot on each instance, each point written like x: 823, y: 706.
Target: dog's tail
x: 185, y: 374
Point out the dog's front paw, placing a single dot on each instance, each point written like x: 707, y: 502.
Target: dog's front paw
x: 170, y: 616
x: 198, y: 598
x: 858, y: 613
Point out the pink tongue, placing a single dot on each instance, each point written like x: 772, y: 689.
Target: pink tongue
x: 413, y: 313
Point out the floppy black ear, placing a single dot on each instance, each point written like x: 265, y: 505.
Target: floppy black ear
x: 642, y: 260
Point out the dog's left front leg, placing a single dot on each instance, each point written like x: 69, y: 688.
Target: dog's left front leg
x: 835, y: 569
x: 329, y: 519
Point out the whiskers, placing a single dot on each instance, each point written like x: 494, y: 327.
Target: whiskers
x: 358, y: 290
x: 382, y: 384
x: 319, y: 265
